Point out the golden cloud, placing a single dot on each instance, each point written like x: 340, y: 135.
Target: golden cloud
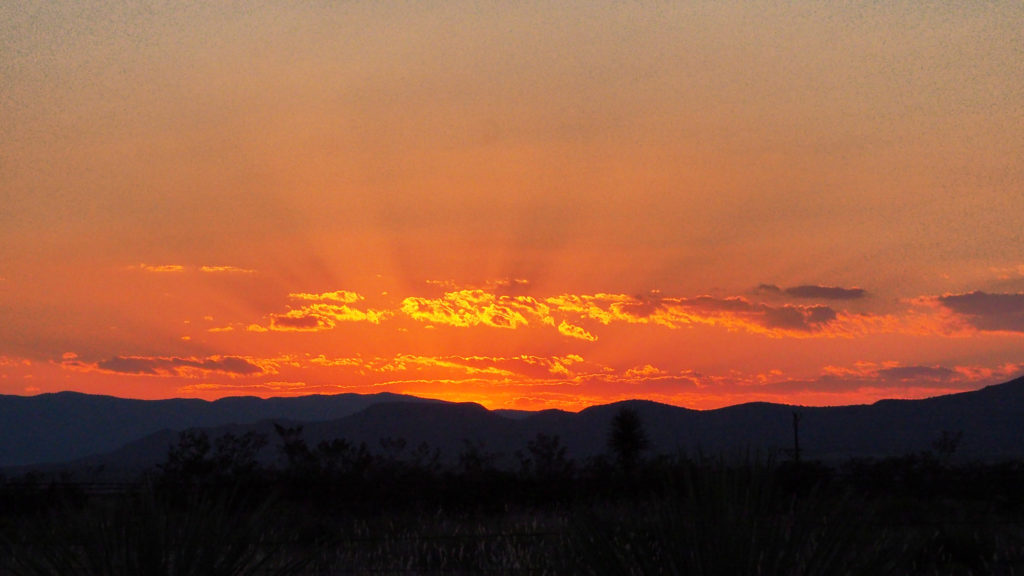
x: 324, y: 311
x: 9, y: 361
x: 161, y: 268
x: 577, y: 315
x: 523, y: 368
x: 574, y: 331
x: 646, y: 371
x: 464, y: 308
x: 225, y: 270
x: 343, y: 296
x: 273, y: 387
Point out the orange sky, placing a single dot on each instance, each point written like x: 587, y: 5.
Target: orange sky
x: 528, y: 205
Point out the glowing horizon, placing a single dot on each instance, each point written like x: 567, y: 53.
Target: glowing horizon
x: 524, y: 206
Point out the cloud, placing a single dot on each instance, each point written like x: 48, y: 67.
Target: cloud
x: 889, y: 374
x: 608, y: 308
x: 10, y: 361
x: 572, y: 315
x: 988, y: 312
x: 299, y: 321
x: 173, y: 366
x: 474, y: 365
x: 526, y: 370
x: 798, y: 318
x: 732, y: 313
x: 177, y: 268
x: 560, y: 364
x: 130, y: 365
x: 825, y: 292
x: 343, y: 296
x: 510, y: 286
x: 577, y: 315
x: 323, y: 311
x: 646, y: 371
x: 523, y: 372
x: 860, y: 382
x: 248, y: 388
x: 225, y: 270
x: 565, y: 312
x: 469, y: 364
x: 466, y: 308
x: 916, y: 373
x: 577, y: 332
x: 1009, y: 272
x: 161, y: 268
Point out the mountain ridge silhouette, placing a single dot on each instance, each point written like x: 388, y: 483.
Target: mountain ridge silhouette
x: 71, y: 427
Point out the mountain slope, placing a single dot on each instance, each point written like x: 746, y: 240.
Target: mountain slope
x: 69, y: 425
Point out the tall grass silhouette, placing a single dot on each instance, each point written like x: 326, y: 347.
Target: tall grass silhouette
x: 219, y: 534
x: 716, y: 518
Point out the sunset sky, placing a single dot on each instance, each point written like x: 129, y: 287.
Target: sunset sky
x: 522, y: 204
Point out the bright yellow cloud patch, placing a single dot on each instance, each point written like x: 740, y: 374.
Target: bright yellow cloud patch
x: 343, y: 296
x: 570, y: 314
x: 645, y: 371
x: 466, y: 308
x: 323, y: 312
x: 577, y: 332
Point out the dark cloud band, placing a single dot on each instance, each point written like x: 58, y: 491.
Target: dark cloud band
x: 993, y: 312
x: 155, y: 366
x: 825, y: 292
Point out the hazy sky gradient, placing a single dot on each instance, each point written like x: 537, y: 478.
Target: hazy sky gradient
x: 522, y: 204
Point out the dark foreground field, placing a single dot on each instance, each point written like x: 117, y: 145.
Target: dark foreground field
x: 914, y: 515
x: 214, y: 508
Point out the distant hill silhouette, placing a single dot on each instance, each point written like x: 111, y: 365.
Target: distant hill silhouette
x: 68, y: 425
x: 135, y: 434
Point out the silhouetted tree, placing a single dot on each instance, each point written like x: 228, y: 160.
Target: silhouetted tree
x: 627, y: 439
x: 546, y: 458
x: 425, y: 459
x: 300, y: 459
x: 389, y: 461
x: 340, y: 458
x: 474, y: 460
x: 332, y: 457
x: 236, y: 456
x: 392, y: 448
x: 228, y: 458
x: 189, y: 459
